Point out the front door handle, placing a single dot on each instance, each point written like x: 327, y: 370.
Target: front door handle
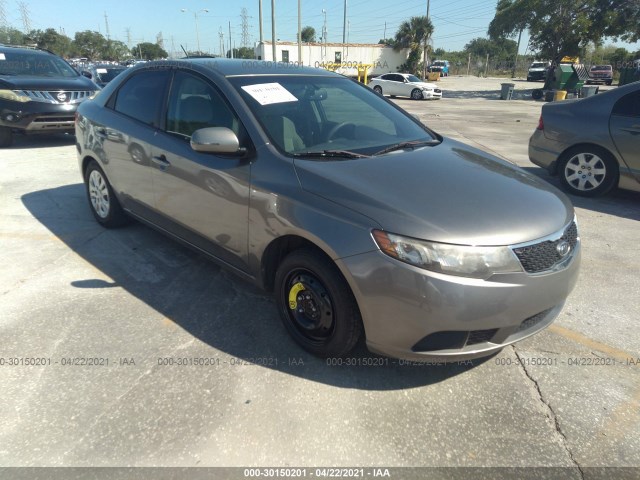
x: 161, y: 161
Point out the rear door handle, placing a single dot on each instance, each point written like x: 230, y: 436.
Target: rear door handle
x: 161, y: 161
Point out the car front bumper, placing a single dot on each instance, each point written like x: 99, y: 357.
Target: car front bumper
x: 37, y: 117
x: 432, y: 94
x: 418, y: 315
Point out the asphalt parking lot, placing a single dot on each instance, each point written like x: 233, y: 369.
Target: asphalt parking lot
x: 110, y: 315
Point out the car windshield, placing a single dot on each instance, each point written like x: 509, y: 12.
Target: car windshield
x: 304, y: 114
x: 106, y: 74
x: 601, y: 67
x: 34, y: 64
x: 537, y: 65
x: 413, y: 78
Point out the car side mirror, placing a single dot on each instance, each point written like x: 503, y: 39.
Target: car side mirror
x: 215, y: 140
x: 87, y: 74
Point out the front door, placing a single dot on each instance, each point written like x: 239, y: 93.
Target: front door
x: 202, y: 196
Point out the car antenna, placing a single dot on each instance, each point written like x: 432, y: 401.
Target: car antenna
x: 185, y: 52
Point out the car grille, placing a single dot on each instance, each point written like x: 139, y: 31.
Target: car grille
x: 57, y: 96
x: 437, y: 90
x: 545, y: 255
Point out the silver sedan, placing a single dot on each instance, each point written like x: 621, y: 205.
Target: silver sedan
x: 592, y: 144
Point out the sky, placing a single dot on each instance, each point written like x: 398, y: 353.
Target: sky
x: 456, y: 22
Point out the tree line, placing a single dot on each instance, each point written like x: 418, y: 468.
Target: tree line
x: 86, y: 44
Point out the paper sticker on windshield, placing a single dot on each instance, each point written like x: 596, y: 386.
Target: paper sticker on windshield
x: 101, y: 70
x: 2, y: 57
x: 268, y: 93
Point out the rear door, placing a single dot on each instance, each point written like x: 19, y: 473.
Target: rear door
x: 126, y: 134
x: 202, y: 197
x: 624, y: 126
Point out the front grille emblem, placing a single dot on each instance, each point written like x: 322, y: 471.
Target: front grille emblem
x: 62, y: 97
x: 563, y: 248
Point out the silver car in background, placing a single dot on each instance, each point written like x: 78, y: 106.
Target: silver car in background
x: 360, y: 220
x: 592, y: 144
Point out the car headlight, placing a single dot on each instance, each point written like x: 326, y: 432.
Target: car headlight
x: 461, y: 260
x: 14, y: 96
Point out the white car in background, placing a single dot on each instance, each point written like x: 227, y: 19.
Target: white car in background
x: 405, y: 85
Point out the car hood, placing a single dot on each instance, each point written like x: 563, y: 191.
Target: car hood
x: 449, y: 193
x: 46, y: 83
x: 422, y: 85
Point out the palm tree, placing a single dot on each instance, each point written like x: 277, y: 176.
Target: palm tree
x: 413, y: 34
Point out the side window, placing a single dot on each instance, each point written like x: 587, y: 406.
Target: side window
x: 397, y: 78
x: 195, y: 104
x: 628, y: 106
x: 141, y: 97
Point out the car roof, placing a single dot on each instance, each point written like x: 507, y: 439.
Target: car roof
x: 25, y: 49
x: 239, y: 67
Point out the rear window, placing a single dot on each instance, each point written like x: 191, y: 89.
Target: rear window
x: 601, y: 67
x: 34, y: 64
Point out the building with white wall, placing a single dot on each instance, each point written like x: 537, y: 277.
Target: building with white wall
x: 384, y: 59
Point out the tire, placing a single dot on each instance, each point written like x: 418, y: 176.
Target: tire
x: 378, y: 89
x: 103, y: 203
x: 588, y: 171
x: 6, y: 137
x: 609, y: 82
x: 416, y: 94
x: 325, y: 319
x: 537, y: 94
x: 529, y: 79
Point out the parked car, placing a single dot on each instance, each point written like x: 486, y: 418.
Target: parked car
x: 39, y: 92
x: 404, y: 85
x: 360, y: 219
x: 591, y: 143
x: 101, y: 74
x: 600, y: 74
x: 538, y: 71
x: 441, y: 66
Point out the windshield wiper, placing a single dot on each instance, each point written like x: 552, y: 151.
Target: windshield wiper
x: 331, y: 154
x: 403, y: 145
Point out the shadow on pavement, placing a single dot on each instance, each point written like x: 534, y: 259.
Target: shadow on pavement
x: 41, y: 141
x: 620, y: 203
x: 214, y: 306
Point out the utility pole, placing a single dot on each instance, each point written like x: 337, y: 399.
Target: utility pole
x: 515, y: 61
x: 273, y: 30
x: 299, y: 33
x: 425, y: 59
x: 384, y: 35
x: 260, y: 19
x: 106, y: 24
x: 324, y: 34
x: 230, y: 45
x: 127, y: 31
x: 244, y: 15
x: 26, y: 17
x: 468, y: 65
x: 486, y: 66
x: 221, y: 37
x: 344, y: 24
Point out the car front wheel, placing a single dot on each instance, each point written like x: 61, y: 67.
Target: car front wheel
x: 588, y: 171
x: 416, y: 94
x: 316, y: 304
x: 104, y: 205
x: 378, y: 89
